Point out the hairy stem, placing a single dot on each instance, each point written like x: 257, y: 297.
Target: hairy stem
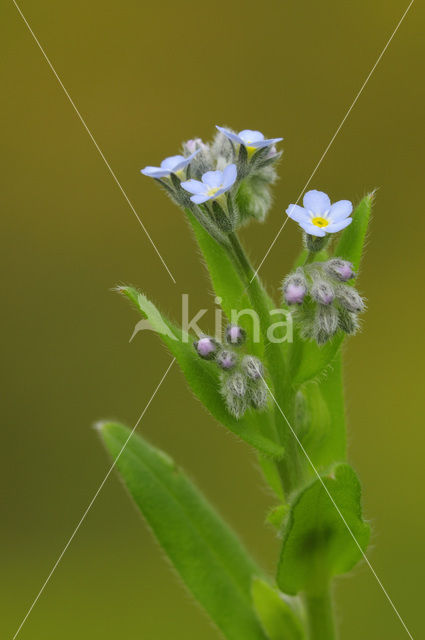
x: 290, y: 468
x: 320, y: 617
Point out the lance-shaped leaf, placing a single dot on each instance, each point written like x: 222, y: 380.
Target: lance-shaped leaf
x: 308, y: 360
x: 204, y: 550
x: 278, y: 618
x: 325, y: 533
x: 203, y: 377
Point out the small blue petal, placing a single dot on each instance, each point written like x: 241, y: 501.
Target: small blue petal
x: 229, y: 134
x: 249, y: 137
x: 155, y: 172
x: 337, y: 226
x: 213, y: 178
x: 193, y: 186
x: 340, y: 210
x: 199, y: 199
x: 172, y: 162
x: 317, y: 202
x: 312, y: 230
x: 230, y: 174
x: 297, y: 213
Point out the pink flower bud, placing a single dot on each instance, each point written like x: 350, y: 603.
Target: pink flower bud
x: 235, y: 335
x: 294, y: 293
x: 206, y: 347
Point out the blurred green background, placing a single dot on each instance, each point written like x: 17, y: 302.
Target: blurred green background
x: 147, y: 76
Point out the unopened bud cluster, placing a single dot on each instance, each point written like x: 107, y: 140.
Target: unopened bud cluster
x: 321, y: 300
x: 242, y: 376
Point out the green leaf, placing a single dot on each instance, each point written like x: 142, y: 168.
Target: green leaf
x: 204, y: 550
x: 308, y: 360
x: 277, y: 617
x: 317, y: 544
x: 351, y: 242
x: 321, y: 417
x: 203, y: 378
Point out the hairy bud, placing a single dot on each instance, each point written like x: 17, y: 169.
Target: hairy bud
x: 294, y: 288
x: 235, y: 335
x: 348, y: 321
x: 322, y: 291
x: 236, y: 384
x: 206, y: 347
x: 253, y: 367
x: 340, y: 269
x: 325, y: 323
x: 258, y: 395
x: 349, y: 298
x: 226, y: 359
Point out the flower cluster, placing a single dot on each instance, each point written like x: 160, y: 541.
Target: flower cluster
x: 242, y: 376
x: 321, y: 301
x: 223, y: 183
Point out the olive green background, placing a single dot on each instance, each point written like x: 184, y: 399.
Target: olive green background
x: 147, y: 76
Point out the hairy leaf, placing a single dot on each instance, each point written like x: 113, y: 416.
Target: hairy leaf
x: 321, y: 417
x: 204, y: 550
x: 203, y: 378
x: 278, y: 618
x: 317, y: 543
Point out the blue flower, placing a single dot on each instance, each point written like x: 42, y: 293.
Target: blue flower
x: 174, y: 164
x: 252, y: 140
x: 318, y: 217
x: 213, y: 185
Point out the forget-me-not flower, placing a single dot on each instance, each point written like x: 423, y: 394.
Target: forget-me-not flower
x: 252, y: 140
x: 318, y: 217
x: 212, y: 184
x: 174, y: 164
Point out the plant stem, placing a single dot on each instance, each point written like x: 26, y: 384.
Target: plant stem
x: 320, y: 617
x: 290, y: 468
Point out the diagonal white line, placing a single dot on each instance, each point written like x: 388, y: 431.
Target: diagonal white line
x: 338, y: 509
x: 83, y: 122
x: 335, y: 135
x: 111, y: 468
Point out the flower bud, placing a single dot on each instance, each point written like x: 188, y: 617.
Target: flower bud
x: 325, y: 323
x: 322, y: 291
x: 348, y: 321
x: 253, y: 367
x: 190, y: 146
x: 236, y: 405
x: 349, y: 298
x: 226, y: 359
x: 340, y: 269
x: 258, y: 396
x: 236, y: 384
x: 294, y: 288
x: 235, y: 335
x: 206, y: 347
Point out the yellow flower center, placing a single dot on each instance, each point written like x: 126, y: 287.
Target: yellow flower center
x: 213, y: 190
x: 250, y: 150
x: 320, y: 222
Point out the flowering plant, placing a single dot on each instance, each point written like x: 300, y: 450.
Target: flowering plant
x: 282, y: 396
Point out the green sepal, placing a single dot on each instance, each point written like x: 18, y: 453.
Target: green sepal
x: 203, y: 377
x: 278, y: 618
x: 317, y: 544
x: 223, y: 222
x: 203, y: 549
